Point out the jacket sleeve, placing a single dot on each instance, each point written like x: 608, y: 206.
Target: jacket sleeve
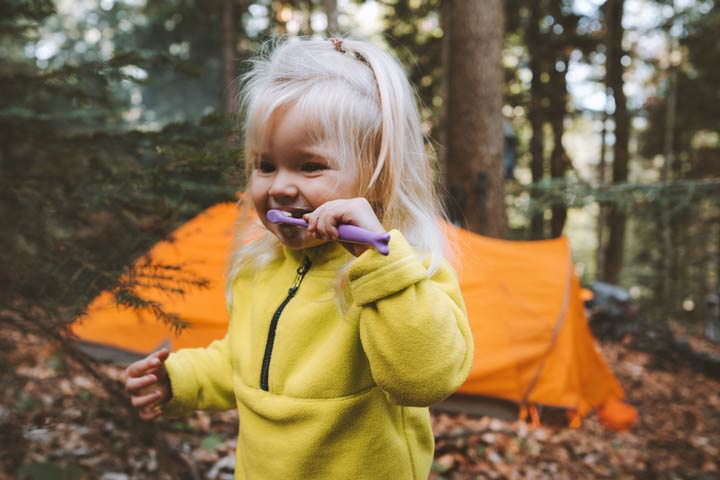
x: 200, y: 379
x: 413, y: 327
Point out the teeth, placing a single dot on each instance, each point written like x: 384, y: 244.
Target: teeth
x: 294, y: 212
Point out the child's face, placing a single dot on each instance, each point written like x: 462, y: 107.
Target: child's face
x: 295, y: 173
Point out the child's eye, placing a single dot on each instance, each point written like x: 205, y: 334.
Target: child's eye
x: 313, y: 167
x: 265, y: 167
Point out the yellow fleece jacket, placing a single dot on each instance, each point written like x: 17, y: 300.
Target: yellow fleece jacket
x: 327, y: 393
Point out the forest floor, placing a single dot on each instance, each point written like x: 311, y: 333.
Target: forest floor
x: 56, y: 422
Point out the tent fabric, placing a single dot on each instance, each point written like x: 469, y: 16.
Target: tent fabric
x: 617, y: 415
x: 201, y: 247
x: 532, y: 342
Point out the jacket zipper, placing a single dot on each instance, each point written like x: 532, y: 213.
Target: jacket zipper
x: 265, y: 372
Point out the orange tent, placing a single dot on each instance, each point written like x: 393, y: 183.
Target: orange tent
x: 532, y: 342
x: 533, y: 345
x: 201, y: 248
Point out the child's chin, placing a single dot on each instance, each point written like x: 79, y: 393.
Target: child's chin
x: 297, y: 237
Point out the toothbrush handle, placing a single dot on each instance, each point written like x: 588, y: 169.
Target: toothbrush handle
x: 351, y: 233
x: 347, y: 232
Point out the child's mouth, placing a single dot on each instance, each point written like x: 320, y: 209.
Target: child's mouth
x: 296, y: 212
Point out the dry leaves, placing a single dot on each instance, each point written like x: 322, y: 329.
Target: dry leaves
x: 677, y: 436
x: 53, y: 416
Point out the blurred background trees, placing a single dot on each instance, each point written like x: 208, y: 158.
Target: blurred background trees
x: 594, y: 119
x: 86, y: 187
x: 610, y: 106
x: 473, y: 139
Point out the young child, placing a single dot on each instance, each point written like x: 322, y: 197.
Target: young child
x: 334, y: 351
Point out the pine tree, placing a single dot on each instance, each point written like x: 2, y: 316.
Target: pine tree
x: 82, y: 193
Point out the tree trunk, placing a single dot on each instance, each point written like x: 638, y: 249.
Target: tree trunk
x: 332, y: 17
x: 228, y: 28
x: 475, y: 132
x: 717, y: 261
x: 667, y: 175
x: 453, y: 209
x: 602, y: 207
x: 558, y: 165
x: 617, y: 218
x: 535, y: 114
x: 558, y: 157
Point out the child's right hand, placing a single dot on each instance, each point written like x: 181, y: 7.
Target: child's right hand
x: 147, y: 384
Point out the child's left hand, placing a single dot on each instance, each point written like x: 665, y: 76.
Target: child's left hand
x: 323, y: 221
x: 147, y: 384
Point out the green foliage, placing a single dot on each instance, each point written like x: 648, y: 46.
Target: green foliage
x: 413, y: 30
x: 697, y: 113
x: 18, y: 15
x: 680, y: 234
x: 189, y: 33
x: 82, y: 194
x: 575, y: 193
x: 50, y: 471
x: 672, y: 239
x: 212, y: 442
x: 182, y: 426
x: 439, y: 468
x: 25, y: 402
x: 56, y: 362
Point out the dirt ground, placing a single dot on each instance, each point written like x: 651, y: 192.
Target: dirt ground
x: 57, y: 422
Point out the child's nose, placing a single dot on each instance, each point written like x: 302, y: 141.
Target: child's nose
x: 283, y: 186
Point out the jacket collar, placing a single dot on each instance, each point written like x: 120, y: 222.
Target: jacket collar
x: 330, y: 255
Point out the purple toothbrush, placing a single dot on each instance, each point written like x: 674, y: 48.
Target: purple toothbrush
x: 348, y: 233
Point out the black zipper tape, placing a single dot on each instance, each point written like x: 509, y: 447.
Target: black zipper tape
x: 265, y: 372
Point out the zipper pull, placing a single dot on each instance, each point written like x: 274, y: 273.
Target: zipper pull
x: 301, y: 271
x: 304, y: 266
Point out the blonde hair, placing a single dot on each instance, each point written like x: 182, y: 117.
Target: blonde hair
x: 358, y: 98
